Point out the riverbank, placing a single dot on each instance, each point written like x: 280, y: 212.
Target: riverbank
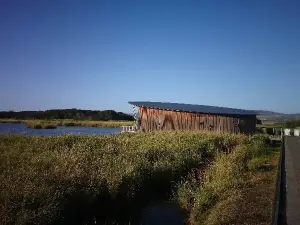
x: 50, y: 124
x: 111, y: 179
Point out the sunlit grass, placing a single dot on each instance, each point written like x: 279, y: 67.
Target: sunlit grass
x: 238, y: 188
x: 63, y: 179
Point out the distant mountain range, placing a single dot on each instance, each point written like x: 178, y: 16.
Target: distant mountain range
x: 269, y: 113
x: 265, y: 115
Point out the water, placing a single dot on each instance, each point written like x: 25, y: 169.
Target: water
x: 19, y: 128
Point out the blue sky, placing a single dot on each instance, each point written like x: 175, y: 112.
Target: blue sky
x: 102, y: 54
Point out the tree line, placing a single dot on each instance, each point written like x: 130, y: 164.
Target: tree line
x: 75, y: 114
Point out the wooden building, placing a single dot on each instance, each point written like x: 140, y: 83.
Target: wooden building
x: 154, y: 116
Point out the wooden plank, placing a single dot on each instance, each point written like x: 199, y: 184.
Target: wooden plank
x: 153, y: 120
x: 215, y: 123
x: 180, y: 121
x: 228, y: 124
x: 150, y: 119
x: 183, y: 121
x: 194, y: 122
x: 201, y: 119
x: 146, y: 120
x: 164, y: 120
x: 186, y: 121
x: 189, y: 121
x: 197, y: 122
x: 177, y: 121
x: 167, y: 121
x: 233, y: 124
x: 222, y: 124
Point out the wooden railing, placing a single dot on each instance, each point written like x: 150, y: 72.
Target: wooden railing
x: 130, y: 129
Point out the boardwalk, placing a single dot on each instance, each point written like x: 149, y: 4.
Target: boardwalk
x: 291, y: 191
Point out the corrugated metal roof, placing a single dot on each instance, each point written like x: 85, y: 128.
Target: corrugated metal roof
x: 193, y: 108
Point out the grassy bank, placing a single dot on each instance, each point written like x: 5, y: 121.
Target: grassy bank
x: 54, y: 123
x: 272, y: 125
x: 10, y: 121
x: 238, y: 188
x: 39, y: 124
x: 63, y: 179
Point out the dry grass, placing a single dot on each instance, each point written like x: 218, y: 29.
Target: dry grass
x: 10, y: 121
x: 251, y: 204
x: 83, y: 179
x: 238, y: 188
x: 39, y: 125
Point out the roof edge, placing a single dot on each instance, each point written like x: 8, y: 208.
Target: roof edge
x: 235, y: 111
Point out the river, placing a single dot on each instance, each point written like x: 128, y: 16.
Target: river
x: 19, y: 128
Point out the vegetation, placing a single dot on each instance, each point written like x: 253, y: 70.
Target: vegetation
x: 237, y: 189
x: 271, y: 125
x: 110, y: 179
x: 293, y: 124
x: 55, y: 123
x: 76, y: 114
x: 39, y: 125
x: 288, y: 124
x: 10, y: 121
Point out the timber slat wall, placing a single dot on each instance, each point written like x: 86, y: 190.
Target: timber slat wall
x: 156, y: 119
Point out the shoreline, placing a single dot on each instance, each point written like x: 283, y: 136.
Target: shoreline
x: 47, y: 124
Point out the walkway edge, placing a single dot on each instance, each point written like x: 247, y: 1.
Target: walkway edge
x: 276, y: 202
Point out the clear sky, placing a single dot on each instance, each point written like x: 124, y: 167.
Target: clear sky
x: 102, y: 54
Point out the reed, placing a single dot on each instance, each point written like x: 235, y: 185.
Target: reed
x: 39, y: 125
x: 108, y: 179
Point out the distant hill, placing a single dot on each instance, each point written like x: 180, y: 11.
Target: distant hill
x: 270, y: 116
x: 76, y: 114
x: 268, y: 113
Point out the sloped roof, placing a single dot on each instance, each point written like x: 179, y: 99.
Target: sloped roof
x: 192, y: 108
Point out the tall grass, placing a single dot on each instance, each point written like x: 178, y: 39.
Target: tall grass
x: 83, y: 179
x: 39, y: 124
x: 10, y: 121
x: 233, y: 190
